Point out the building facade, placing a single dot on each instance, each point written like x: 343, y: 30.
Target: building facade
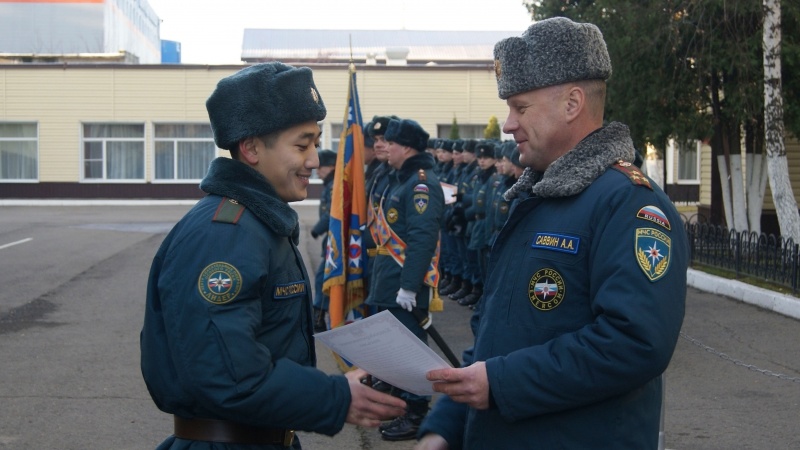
x: 117, y: 131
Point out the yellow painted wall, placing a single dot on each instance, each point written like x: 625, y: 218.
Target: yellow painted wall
x: 60, y: 98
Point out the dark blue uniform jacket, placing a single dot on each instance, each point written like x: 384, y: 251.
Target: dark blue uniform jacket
x: 582, y: 308
x: 228, y: 330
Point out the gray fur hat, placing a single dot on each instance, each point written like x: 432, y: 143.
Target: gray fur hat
x: 262, y: 99
x: 550, y: 52
x: 408, y: 133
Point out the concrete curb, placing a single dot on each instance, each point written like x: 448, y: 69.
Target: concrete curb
x: 786, y: 305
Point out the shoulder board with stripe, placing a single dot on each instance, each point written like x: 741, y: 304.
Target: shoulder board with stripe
x: 422, y: 176
x: 633, y: 173
x: 228, y: 211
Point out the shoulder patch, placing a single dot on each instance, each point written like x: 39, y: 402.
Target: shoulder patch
x: 228, y: 211
x: 421, y: 188
x: 654, y: 214
x: 219, y: 283
x: 652, y: 248
x: 633, y: 173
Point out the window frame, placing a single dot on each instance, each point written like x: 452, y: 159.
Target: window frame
x: 37, y: 155
x: 104, y: 141
x: 154, y: 160
x: 676, y: 151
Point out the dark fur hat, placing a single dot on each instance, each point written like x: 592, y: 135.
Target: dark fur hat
x: 327, y: 158
x: 470, y: 144
x: 432, y: 143
x: 408, y: 133
x: 485, y: 149
x: 550, y: 52
x: 458, y: 145
x: 378, y: 125
x: 447, y: 145
x: 262, y: 99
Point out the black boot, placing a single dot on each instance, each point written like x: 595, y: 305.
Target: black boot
x: 454, y: 285
x: 405, y: 427
x: 466, y: 288
x: 446, y: 279
x: 319, y: 321
x: 473, y: 297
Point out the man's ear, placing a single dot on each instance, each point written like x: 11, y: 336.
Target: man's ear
x: 575, y: 103
x: 248, y: 151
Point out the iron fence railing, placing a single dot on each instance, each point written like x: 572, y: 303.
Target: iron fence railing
x: 761, y: 256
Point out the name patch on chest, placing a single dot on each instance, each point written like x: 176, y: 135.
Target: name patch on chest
x: 556, y: 242
x: 289, y: 290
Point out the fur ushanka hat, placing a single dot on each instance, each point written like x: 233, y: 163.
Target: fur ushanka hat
x: 262, y: 99
x: 408, y: 133
x: 550, y: 52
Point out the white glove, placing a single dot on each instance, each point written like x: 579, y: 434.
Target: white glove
x: 406, y: 299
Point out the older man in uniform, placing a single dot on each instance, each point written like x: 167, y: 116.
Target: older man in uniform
x: 587, y: 280
x: 227, y: 345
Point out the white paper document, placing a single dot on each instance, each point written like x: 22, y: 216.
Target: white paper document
x: 450, y: 192
x: 386, y: 349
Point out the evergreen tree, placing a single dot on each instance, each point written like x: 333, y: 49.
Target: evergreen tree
x: 492, y: 130
x: 454, y: 130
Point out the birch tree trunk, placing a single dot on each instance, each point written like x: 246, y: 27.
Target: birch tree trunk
x: 777, y: 165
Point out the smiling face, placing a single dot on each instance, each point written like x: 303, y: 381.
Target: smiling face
x: 537, y: 120
x: 286, y: 159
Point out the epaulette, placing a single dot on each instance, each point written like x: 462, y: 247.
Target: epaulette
x: 422, y: 176
x: 228, y: 211
x: 633, y: 173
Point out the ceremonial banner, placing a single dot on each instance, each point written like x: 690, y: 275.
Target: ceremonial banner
x: 345, y: 259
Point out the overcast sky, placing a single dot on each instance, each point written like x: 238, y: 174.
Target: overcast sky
x: 210, y: 31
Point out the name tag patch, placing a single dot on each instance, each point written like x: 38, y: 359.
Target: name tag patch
x: 556, y: 242
x: 289, y: 290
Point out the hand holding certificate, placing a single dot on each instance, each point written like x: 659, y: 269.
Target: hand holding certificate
x: 386, y: 349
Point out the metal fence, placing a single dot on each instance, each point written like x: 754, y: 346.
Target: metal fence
x: 765, y: 257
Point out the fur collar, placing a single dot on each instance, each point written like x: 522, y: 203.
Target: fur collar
x: 230, y: 178
x: 577, y: 169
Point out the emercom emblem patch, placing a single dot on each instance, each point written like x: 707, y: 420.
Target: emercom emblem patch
x: 653, y: 252
x: 219, y: 283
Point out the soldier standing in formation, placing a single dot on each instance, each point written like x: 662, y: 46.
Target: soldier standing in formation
x: 408, y: 220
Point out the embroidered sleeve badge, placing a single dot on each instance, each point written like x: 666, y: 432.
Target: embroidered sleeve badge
x: 219, y: 283
x: 654, y: 214
x: 421, y: 202
x: 653, y: 252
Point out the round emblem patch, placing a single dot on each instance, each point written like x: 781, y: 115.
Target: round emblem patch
x: 546, y: 289
x: 392, y: 215
x: 219, y: 283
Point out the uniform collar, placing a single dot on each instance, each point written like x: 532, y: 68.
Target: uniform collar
x: 233, y: 179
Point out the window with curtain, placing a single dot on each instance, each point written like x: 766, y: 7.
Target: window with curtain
x: 464, y: 131
x: 19, y: 149
x: 113, y: 151
x: 183, y: 151
x: 688, y: 156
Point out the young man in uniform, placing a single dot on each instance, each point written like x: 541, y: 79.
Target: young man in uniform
x: 585, y: 295
x: 410, y: 215
x: 227, y: 344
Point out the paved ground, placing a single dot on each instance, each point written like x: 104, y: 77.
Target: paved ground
x: 72, y: 281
